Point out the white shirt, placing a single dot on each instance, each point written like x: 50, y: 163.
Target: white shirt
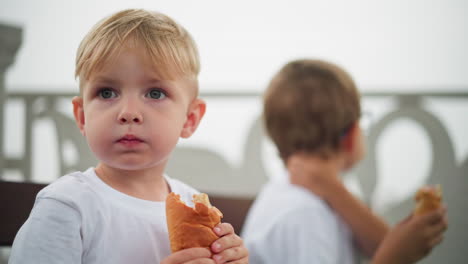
x: 80, y: 219
x: 289, y: 224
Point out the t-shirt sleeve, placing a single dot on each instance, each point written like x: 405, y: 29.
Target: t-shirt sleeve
x: 300, y: 237
x: 50, y: 235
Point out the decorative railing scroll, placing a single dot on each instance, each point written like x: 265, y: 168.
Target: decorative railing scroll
x: 39, y: 106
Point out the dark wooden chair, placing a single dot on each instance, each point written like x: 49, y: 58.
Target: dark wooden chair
x: 17, y: 200
x: 234, y: 209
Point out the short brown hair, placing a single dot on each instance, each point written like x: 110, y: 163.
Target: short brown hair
x: 168, y: 44
x: 308, y: 106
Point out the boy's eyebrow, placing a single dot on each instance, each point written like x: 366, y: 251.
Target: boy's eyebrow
x: 158, y: 82
x: 103, y: 79
x: 155, y: 81
x: 112, y: 81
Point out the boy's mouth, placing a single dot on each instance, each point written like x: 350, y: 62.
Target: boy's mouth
x: 129, y: 139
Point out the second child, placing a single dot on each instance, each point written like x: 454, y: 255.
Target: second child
x: 311, y: 112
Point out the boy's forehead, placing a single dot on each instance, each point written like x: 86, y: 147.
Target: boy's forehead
x: 156, y: 67
x: 159, y: 67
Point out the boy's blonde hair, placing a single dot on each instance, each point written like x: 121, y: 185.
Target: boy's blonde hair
x: 168, y: 45
x: 308, y: 106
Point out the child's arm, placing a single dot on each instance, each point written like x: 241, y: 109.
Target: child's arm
x: 50, y: 235
x: 412, y: 239
x: 369, y: 229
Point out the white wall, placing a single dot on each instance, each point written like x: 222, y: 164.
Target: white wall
x: 396, y: 44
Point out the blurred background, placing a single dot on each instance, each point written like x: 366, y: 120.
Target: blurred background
x: 409, y: 59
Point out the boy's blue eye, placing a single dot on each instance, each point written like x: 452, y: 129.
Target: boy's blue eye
x: 156, y: 94
x: 107, y: 93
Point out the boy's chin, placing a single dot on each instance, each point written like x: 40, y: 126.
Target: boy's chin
x: 128, y: 166
x: 133, y: 167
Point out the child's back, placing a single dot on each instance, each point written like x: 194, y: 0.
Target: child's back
x: 311, y: 113
x: 288, y: 218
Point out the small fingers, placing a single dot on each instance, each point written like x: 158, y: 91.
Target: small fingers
x: 437, y: 240
x: 187, y: 255
x: 226, y: 242
x: 229, y: 247
x: 201, y: 261
x: 232, y: 255
x: 240, y: 261
x: 438, y: 228
x: 434, y: 217
x: 223, y: 229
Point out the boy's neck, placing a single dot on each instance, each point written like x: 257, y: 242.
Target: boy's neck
x: 143, y: 184
x: 314, y: 172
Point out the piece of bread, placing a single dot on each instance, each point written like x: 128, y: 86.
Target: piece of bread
x: 428, y: 198
x: 191, y: 227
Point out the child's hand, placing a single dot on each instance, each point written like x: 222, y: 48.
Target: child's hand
x: 413, y: 238
x: 229, y: 247
x: 190, y: 255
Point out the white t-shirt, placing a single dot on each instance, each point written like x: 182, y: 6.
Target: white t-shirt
x: 289, y: 224
x: 80, y: 219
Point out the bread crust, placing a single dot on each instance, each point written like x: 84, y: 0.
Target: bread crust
x: 191, y: 227
x: 428, y: 198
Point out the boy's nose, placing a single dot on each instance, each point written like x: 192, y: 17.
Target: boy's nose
x: 130, y: 111
x: 127, y: 117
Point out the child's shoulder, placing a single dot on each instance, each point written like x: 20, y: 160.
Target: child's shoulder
x: 71, y: 187
x: 294, y: 200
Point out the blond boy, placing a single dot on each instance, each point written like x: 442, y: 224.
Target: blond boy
x: 137, y: 74
x: 311, y: 112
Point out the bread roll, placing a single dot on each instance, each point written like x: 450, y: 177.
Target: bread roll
x: 428, y: 198
x: 191, y: 227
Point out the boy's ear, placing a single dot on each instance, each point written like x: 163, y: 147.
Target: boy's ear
x: 195, y: 114
x: 78, y: 112
x: 349, y: 141
x: 353, y: 145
